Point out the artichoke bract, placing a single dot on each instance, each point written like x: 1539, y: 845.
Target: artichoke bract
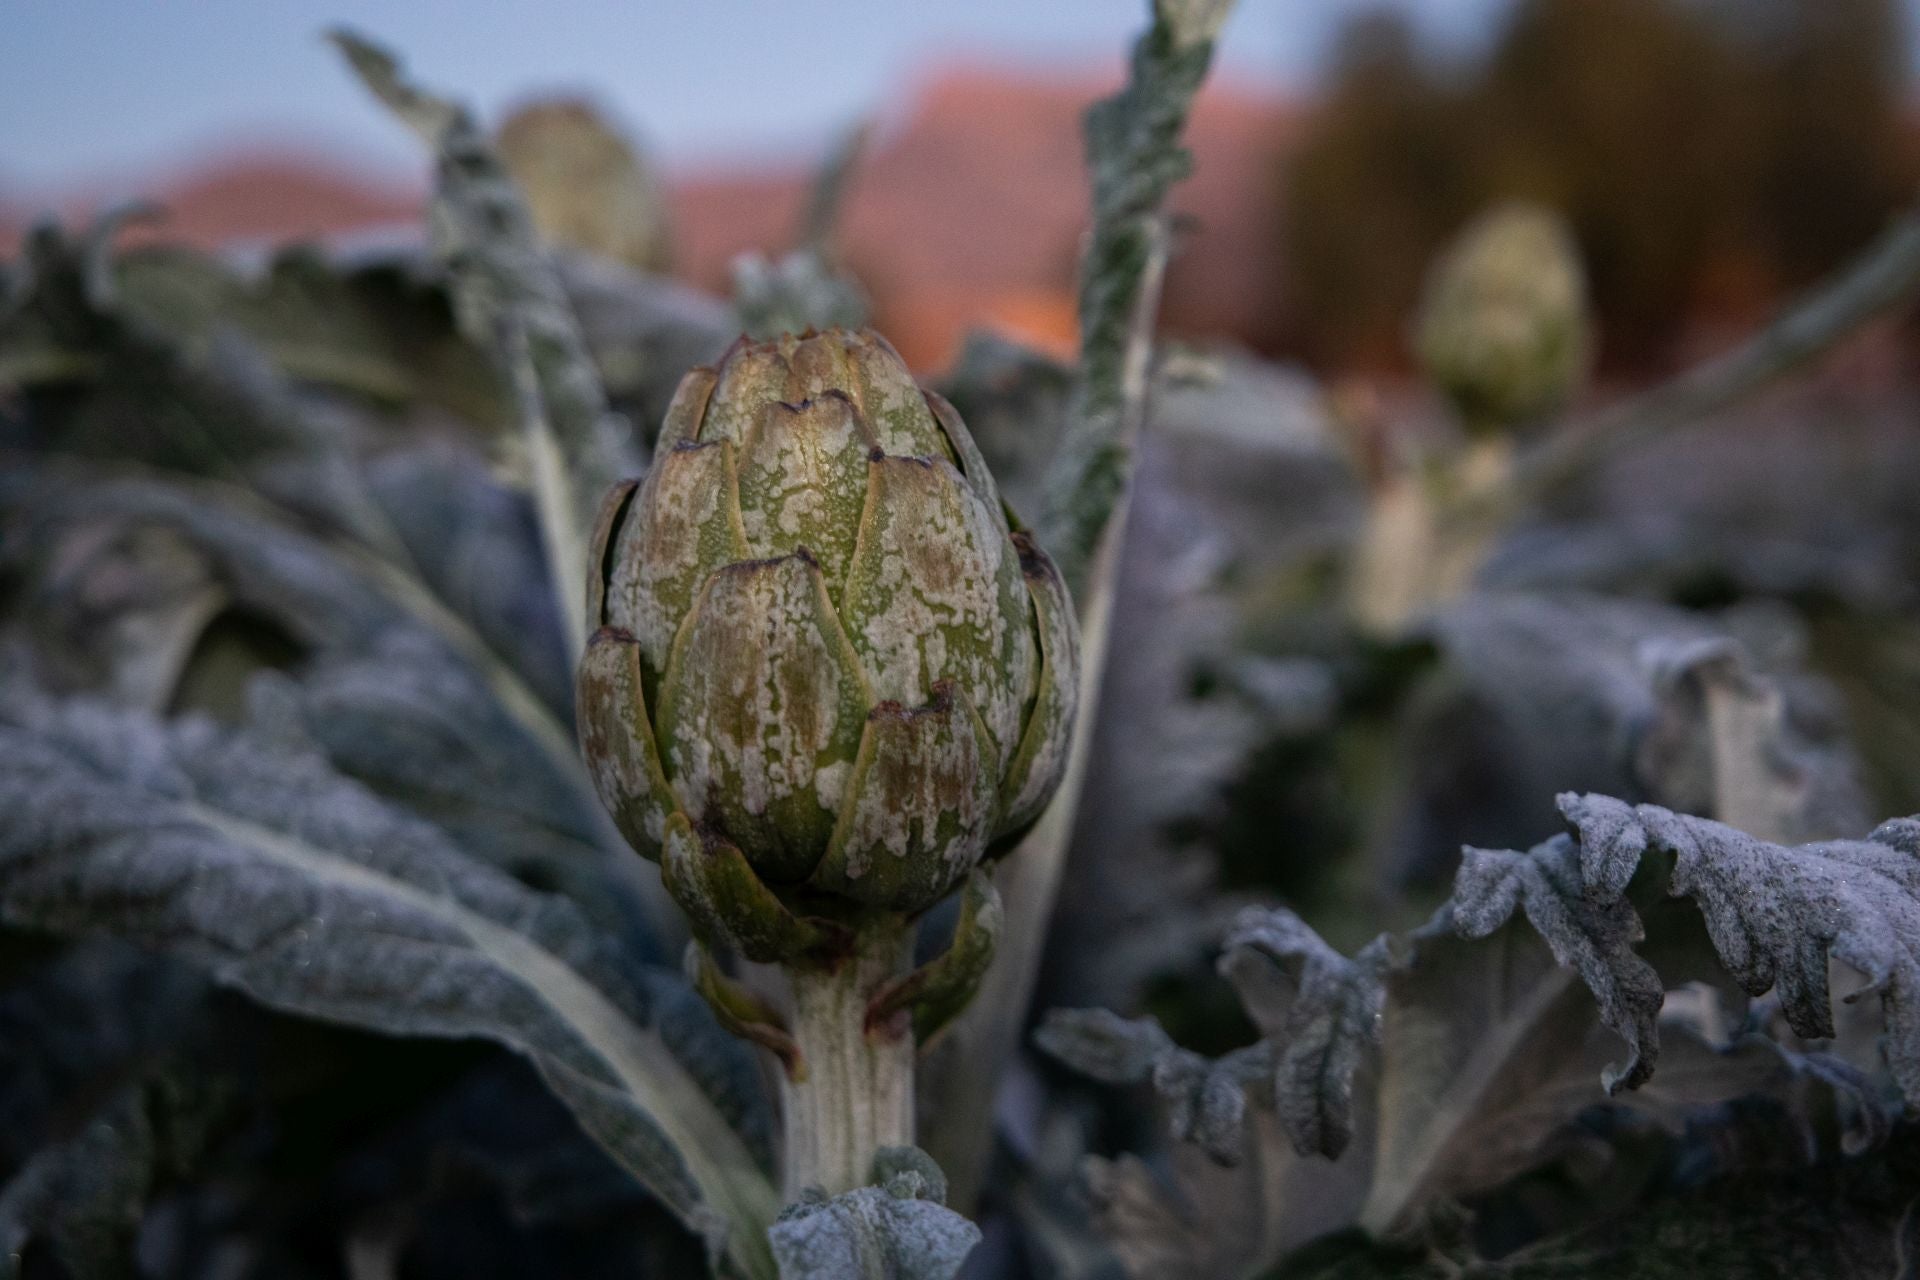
x: 1504, y: 328
x: 829, y: 672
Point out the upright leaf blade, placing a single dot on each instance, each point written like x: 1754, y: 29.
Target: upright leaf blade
x: 509, y: 298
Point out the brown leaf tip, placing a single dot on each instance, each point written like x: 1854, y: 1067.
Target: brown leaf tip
x: 941, y: 703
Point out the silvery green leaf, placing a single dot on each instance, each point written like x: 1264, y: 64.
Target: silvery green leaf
x: 308, y: 893
x: 909, y: 1173
x: 1206, y: 1097
x: 1318, y: 1011
x: 794, y: 293
x: 1776, y: 913
x: 1541, y: 693
x: 871, y: 1233
x: 373, y: 330
x: 1135, y: 155
x: 1593, y: 936
x: 508, y: 298
x: 1488, y: 1038
x: 1102, y: 1045
x: 340, y: 621
x: 476, y: 544
x: 1188, y: 1215
x: 1319, y: 1015
x: 139, y: 396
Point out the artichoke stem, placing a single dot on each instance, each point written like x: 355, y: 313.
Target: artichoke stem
x: 856, y: 1091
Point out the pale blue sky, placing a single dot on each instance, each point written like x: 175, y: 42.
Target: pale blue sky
x: 98, y: 88
x: 92, y: 88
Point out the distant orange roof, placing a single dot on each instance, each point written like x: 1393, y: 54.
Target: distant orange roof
x: 969, y: 213
x: 244, y: 198
x: 972, y: 212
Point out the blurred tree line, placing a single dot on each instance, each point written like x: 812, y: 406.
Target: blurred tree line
x: 1710, y: 155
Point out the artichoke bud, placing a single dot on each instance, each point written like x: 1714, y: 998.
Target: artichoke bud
x: 828, y: 673
x: 1503, y: 330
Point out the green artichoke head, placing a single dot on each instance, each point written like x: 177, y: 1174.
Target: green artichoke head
x: 1504, y: 330
x: 828, y: 673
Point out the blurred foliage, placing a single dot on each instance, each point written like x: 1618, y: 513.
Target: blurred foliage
x: 587, y: 186
x: 1708, y: 156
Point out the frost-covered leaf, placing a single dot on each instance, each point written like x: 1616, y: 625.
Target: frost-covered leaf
x: 1543, y: 693
x: 1758, y: 749
x: 1474, y: 1032
x: 793, y: 293
x: 509, y: 299
x: 1206, y: 1098
x: 1488, y: 1023
x: 1141, y: 896
x: 1320, y: 1012
x: 374, y: 330
x: 1775, y: 914
x: 308, y: 893
x: 1135, y: 156
x: 86, y: 1196
x: 871, y: 1233
x: 1593, y: 936
x: 1802, y: 494
x: 397, y: 702
x: 476, y: 544
x: 185, y: 394
x: 643, y: 332
x: 128, y: 392
x: 1497, y: 1024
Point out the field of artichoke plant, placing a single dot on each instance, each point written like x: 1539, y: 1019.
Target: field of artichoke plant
x: 513, y: 767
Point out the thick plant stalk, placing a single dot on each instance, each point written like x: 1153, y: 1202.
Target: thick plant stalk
x: 855, y: 1091
x: 1404, y: 563
x: 1134, y: 152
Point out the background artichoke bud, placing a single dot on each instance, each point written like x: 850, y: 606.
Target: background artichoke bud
x: 828, y: 673
x: 1504, y: 331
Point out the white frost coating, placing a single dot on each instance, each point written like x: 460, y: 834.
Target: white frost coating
x: 830, y: 784
x: 620, y: 753
x: 934, y: 595
x: 873, y: 376
x: 613, y: 780
x: 803, y: 482
x: 752, y: 378
x: 926, y: 768
x: 870, y: 1232
x: 756, y: 696
x: 677, y: 527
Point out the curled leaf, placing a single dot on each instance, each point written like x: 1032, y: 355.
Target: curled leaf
x: 1318, y: 1009
x: 1592, y: 936
x: 899, y: 1231
x: 1776, y: 913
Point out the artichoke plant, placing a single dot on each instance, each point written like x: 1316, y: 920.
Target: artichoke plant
x: 1504, y: 329
x: 830, y: 675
